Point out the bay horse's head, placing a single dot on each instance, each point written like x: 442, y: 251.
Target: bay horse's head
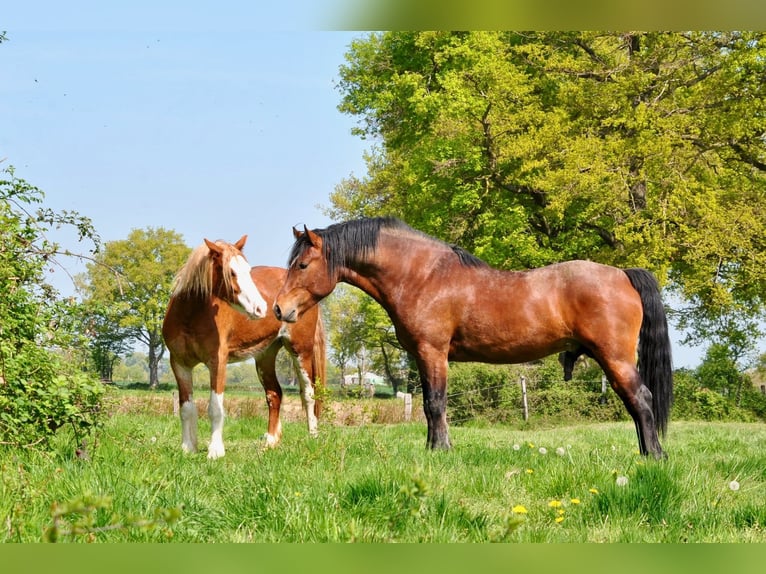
x: 231, y: 279
x: 308, y: 280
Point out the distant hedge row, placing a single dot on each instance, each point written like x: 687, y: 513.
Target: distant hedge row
x: 480, y: 393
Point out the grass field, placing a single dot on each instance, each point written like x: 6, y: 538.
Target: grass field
x: 377, y: 483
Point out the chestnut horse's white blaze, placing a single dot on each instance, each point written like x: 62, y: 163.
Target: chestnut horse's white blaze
x: 249, y: 299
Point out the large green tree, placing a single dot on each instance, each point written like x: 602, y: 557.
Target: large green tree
x: 131, y: 279
x: 634, y: 149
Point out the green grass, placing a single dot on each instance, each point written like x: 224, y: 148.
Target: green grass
x: 377, y: 483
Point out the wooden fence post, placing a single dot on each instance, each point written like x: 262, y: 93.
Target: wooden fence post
x: 407, y: 404
x: 524, y: 397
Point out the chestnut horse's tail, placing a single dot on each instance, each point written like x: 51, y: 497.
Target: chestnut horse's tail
x: 654, y: 356
x: 319, y: 364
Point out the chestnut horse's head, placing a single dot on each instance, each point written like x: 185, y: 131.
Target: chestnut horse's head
x: 230, y: 278
x: 309, y: 278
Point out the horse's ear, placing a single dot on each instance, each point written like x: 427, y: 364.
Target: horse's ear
x: 297, y: 233
x: 214, y: 247
x: 241, y: 243
x: 314, y: 239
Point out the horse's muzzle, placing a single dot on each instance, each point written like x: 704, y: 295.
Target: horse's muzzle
x: 289, y: 317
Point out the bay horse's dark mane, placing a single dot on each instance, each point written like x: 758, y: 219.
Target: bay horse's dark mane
x: 352, y: 241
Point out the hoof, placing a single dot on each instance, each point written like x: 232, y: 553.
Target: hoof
x: 270, y: 441
x: 215, y: 451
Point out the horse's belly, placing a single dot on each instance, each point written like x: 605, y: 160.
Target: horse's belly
x: 245, y: 352
x: 508, y: 351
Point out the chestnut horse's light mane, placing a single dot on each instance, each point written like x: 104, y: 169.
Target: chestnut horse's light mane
x: 195, y: 278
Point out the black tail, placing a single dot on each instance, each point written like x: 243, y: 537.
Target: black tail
x: 654, y: 357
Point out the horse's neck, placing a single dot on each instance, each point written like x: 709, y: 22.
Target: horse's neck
x: 398, y: 263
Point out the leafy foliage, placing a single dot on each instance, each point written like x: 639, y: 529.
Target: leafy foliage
x: 42, y: 385
x: 492, y: 394
x: 633, y: 149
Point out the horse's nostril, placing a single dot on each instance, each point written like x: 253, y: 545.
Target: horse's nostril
x: 278, y: 312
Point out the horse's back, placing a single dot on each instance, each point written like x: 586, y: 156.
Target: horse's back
x: 526, y: 315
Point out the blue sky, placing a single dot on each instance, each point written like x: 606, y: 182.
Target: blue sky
x: 213, y: 122
x: 193, y: 125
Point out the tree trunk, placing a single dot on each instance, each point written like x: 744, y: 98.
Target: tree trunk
x: 395, y: 382
x: 156, y: 350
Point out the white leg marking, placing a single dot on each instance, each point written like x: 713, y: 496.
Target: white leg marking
x: 273, y: 439
x: 189, y: 426
x: 216, y: 414
x: 307, y: 398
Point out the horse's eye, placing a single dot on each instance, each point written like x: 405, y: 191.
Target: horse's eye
x: 303, y: 265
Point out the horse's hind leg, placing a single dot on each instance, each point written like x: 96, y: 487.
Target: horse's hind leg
x: 637, y: 398
x: 187, y: 408
x: 304, y: 371
x: 266, y: 367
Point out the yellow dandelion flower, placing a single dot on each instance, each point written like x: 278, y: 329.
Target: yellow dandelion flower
x: 555, y: 504
x: 559, y: 519
x: 531, y: 445
x: 593, y: 490
x: 560, y: 512
x: 574, y: 500
x: 519, y: 509
x: 530, y: 471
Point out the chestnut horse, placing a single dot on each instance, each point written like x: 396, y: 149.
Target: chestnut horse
x: 204, y: 324
x: 447, y: 305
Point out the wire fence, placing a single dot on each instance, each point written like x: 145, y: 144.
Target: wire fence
x: 597, y: 387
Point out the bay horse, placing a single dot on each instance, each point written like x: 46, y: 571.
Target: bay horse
x: 448, y: 305
x: 204, y: 324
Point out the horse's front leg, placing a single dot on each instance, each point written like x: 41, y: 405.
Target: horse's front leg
x: 215, y: 408
x: 433, y: 376
x: 187, y: 408
x: 266, y: 367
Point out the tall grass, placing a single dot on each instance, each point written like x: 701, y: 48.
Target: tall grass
x: 378, y: 483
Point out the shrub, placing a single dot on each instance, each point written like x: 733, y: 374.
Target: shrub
x: 696, y: 402
x: 40, y: 390
x: 492, y: 393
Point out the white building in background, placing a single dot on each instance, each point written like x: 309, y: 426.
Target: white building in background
x: 367, y: 379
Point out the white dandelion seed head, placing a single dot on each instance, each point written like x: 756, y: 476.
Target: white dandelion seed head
x: 516, y: 447
x: 734, y: 485
x: 154, y: 439
x: 561, y: 451
x: 543, y: 450
x: 621, y: 480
